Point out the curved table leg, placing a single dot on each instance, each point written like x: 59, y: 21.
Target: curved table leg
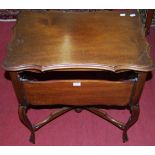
x: 133, y: 118
x: 24, y: 119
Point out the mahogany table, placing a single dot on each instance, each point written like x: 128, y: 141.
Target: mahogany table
x: 81, y: 61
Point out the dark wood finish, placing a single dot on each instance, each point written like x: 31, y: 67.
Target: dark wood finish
x: 51, y: 117
x: 148, y: 22
x: 78, y: 43
x: 138, y: 87
x: 134, y: 103
x: 23, y: 105
x: 91, y: 92
x: 18, y: 87
x: 132, y: 119
x: 94, y: 40
x: 105, y: 116
x: 24, y: 119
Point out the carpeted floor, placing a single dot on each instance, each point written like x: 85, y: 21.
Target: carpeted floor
x: 73, y: 128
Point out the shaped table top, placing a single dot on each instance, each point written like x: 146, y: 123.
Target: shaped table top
x: 78, y: 40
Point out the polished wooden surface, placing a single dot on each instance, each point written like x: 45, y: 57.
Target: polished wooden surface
x: 64, y: 87
x: 85, y: 49
x: 95, y: 40
x: 92, y: 92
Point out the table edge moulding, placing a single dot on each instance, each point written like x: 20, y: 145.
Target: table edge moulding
x: 19, y: 41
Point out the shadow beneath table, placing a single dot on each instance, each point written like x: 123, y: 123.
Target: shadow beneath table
x: 7, y: 75
x: 107, y: 107
x: 149, y: 76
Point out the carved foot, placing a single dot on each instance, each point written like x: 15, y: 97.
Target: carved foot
x: 32, y: 138
x: 125, y: 137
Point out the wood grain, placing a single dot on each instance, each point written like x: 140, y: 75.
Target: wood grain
x: 62, y: 40
x: 90, y: 92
